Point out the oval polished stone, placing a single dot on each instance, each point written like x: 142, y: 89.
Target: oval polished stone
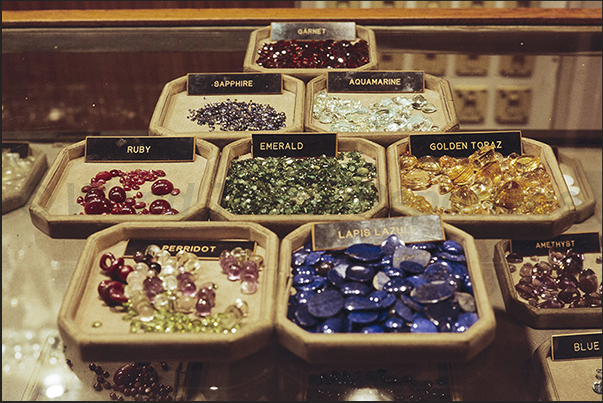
x: 416, y: 280
x: 335, y: 278
x: 358, y: 303
x: 313, y: 257
x: 363, y: 317
x: 403, y: 311
x: 443, y: 312
x: 465, y: 321
x: 389, y: 245
x: 398, y: 285
x: 380, y: 280
x: 404, y: 253
x: 452, y: 247
x: 387, y: 260
x: 451, y: 257
x: 359, y: 273
x: 411, y: 267
x: 422, y: 245
x: 302, y: 279
x: 326, y: 304
x: 298, y: 257
x: 382, y: 298
x: 430, y: 293
x: 303, y: 317
x: 372, y: 329
x: 364, y: 252
x: 394, y: 324
x: 422, y: 325
x: 302, y: 297
x: 439, y: 271
x: 391, y: 271
x: 304, y: 269
x: 331, y: 325
x: 318, y: 283
x: 411, y: 303
x: 466, y: 301
x: 350, y: 288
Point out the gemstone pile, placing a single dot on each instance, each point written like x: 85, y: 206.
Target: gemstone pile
x: 318, y: 54
x: 238, y: 116
x: 117, y: 201
x: 483, y: 183
x: 159, y: 291
x: 319, y: 185
x: 558, y: 280
x: 388, y: 115
x: 15, y: 170
x: 392, y: 287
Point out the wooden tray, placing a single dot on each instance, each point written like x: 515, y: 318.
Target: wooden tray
x: 55, y: 212
x: 13, y: 199
x: 283, y: 224
x: 540, y: 318
x: 497, y: 226
x: 437, y: 91
x: 172, y: 109
x: 384, y: 347
x: 113, y: 341
x: 564, y: 380
x: 585, y: 201
x: 260, y: 36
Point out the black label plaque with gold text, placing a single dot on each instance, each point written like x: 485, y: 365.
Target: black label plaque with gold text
x: 585, y: 242
x: 150, y: 148
x: 234, y: 83
x: 209, y: 249
x: 575, y: 346
x: 409, y: 229
x: 461, y: 145
x: 296, y: 145
x: 337, y: 31
x: 375, y: 81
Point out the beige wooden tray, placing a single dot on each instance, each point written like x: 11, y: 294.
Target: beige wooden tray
x: 261, y: 36
x: 283, y: 224
x: 584, y: 201
x: 170, y: 117
x: 55, y: 212
x: 384, y: 347
x: 13, y: 199
x: 541, y: 318
x: 113, y: 341
x: 564, y: 380
x: 497, y: 226
x: 437, y: 91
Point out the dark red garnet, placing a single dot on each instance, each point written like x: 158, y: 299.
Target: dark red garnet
x: 97, y: 205
x: 159, y: 206
x: 93, y: 193
x: 162, y: 187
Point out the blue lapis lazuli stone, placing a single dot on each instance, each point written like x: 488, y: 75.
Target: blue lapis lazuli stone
x: 326, y: 304
x: 451, y: 257
x: 384, y: 299
x: 403, y: 311
x: 394, y: 324
x: 411, y: 267
x: 359, y: 273
x: 431, y: 293
x: 335, y: 278
x: 351, y: 288
x: 392, y: 271
x: 303, y: 317
x: 422, y: 245
x: 318, y: 283
x: 313, y: 257
x: 331, y: 325
x: 364, y: 252
x: 358, y: 303
x: 416, y: 280
x: 327, y: 258
x: 372, y: 329
x: 437, y: 271
x: 389, y: 245
x: 302, y: 297
x: 302, y: 279
x: 452, y: 247
x: 446, y: 312
x: 304, y: 269
x: 363, y: 317
x: 411, y: 303
x: 397, y: 286
x: 404, y: 253
x: 465, y: 321
x: 298, y: 257
x: 422, y: 325
x: 387, y: 260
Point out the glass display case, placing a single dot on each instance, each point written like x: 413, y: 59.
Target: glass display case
x: 72, y: 74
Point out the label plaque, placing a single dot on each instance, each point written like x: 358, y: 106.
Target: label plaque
x: 375, y: 81
x: 464, y: 144
x: 147, y: 148
x: 409, y: 229
x: 234, y: 83
x: 203, y: 249
x: 20, y: 148
x: 297, y: 145
x: 337, y: 31
x: 585, y: 242
x: 575, y: 346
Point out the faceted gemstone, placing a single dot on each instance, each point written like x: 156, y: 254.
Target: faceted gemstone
x: 407, y: 162
x: 429, y: 164
x: 482, y: 156
x: 527, y: 163
x: 509, y: 195
x: 514, y: 258
x: 463, y: 197
x: 587, y: 281
x: 185, y: 304
x: 416, y: 179
x: 203, y: 307
x: 571, y: 265
x: 249, y: 286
